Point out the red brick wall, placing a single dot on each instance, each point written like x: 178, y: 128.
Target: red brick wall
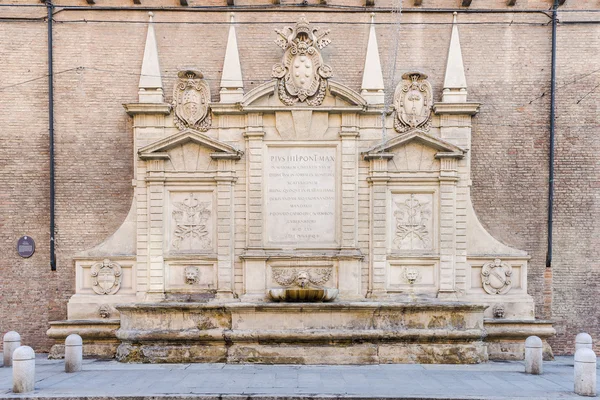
x: 507, y: 59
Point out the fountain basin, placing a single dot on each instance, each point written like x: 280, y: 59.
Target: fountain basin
x: 303, y: 295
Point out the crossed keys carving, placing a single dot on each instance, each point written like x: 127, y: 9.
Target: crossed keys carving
x: 411, y: 221
x: 191, y: 216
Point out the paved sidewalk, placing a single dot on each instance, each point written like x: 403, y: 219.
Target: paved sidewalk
x: 493, y: 380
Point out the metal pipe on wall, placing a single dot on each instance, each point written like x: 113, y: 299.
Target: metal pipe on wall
x: 50, y: 8
x: 552, y: 128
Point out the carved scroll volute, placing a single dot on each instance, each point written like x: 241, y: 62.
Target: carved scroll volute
x: 413, y: 100
x: 302, y: 75
x: 191, y: 96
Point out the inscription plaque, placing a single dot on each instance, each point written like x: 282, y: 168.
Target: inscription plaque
x: 301, y: 195
x: 25, y: 246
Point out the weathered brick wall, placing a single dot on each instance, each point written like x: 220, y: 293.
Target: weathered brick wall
x: 507, y: 60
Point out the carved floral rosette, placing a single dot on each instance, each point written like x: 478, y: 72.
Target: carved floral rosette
x: 106, y: 277
x: 496, y: 277
x: 302, y: 75
x: 413, y: 100
x: 191, y: 96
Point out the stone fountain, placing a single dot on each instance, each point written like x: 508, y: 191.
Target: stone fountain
x: 270, y: 204
x: 302, y: 290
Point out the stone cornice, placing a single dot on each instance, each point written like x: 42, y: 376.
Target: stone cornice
x: 456, y: 108
x: 147, y: 108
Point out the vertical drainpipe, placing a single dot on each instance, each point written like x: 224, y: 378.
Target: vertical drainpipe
x: 552, y: 127
x: 50, y: 8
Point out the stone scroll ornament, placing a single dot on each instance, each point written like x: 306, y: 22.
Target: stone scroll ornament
x: 191, y: 96
x: 302, y: 75
x: 106, y: 277
x: 496, y: 277
x: 293, y: 276
x: 413, y: 100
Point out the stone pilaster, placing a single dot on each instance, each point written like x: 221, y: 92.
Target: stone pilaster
x: 448, y: 179
x: 148, y: 126
x: 225, y: 228
x: 379, y: 192
x: 254, y: 258
x: 156, y: 200
x: 455, y: 127
x: 350, y: 256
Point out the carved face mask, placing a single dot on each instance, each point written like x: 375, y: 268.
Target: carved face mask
x: 191, y: 275
x: 302, y: 279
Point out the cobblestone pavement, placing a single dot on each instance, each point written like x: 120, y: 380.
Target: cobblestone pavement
x: 493, y: 380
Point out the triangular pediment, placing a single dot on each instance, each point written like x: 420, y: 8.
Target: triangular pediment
x: 339, y: 95
x: 443, y: 147
x: 159, y: 149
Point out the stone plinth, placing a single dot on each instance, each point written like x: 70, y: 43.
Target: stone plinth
x: 506, y: 337
x: 99, y: 339
x: 323, y: 333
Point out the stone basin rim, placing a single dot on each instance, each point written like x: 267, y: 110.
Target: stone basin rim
x: 337, y: 305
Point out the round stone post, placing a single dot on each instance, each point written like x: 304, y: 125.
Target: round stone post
x: 583, y: 341
x: 23, y: 370
x: 73, y: 353
x: 585, y: 372
x: 533, y: 355
x: 12, y: 340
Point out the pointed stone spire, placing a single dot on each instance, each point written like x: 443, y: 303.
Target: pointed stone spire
x: 455, y: 83
x: 232, y: 86
x: 151, y: 88
x: 372, y: 88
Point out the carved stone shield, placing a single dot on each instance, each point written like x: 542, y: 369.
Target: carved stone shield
x: 302, y: 74
x: 496, y: 277
x: 106, y: 277
x: 413, y: 100
x: 191, y: 96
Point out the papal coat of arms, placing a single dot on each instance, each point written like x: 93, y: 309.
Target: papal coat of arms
x: 496, y: 277
x: 302, y: 75
x: 191, y: 96
x: 412, y: 220
x: 191, y: 217
x: 106, y: 277
x: 413, y: 100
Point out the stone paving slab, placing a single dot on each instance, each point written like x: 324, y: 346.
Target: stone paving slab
x: 101, y: 379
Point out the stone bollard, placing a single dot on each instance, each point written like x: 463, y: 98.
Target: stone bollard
x: 585, y: 372
x: 533, y: 355
x: 583, y: 341
x: 23, y: 370
x: 73, y: 353
x: 12, y: 341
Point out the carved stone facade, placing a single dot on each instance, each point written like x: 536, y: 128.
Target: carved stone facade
x: 191, y: 96
x: 299, y: 192
x: 413, y: 101
x: 106, y: 277
x: 496, y: 277
x: 302, y: 74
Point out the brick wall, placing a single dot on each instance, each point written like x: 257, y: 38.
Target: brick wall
x: 507, y: 60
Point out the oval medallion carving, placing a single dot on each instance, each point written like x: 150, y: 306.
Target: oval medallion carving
x: 191, y: 96
x: 302, y: 74
x: 413, y: 100
x: 106, y: 277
